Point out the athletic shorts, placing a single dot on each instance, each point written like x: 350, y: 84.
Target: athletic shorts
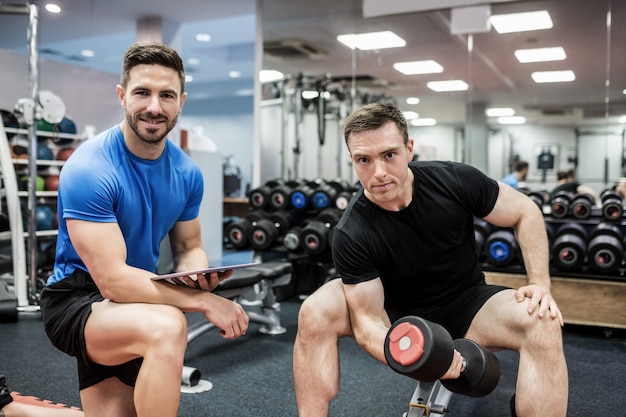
x: 65, y: 307
x: 455, y: 314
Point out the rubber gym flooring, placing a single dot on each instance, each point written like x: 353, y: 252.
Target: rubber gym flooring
x: 252, y: 376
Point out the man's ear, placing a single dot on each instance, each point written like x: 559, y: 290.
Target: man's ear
x: 409, y: 148
x: 121, y: 95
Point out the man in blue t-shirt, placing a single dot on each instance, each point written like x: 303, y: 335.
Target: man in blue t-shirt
x: 517, y: 178
x: 405, y: 246
x: 120, y: 194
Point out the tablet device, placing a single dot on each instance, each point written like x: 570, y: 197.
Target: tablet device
x: 204, y: 271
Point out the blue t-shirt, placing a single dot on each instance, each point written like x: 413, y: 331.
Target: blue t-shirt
x: 104, y: 182
x: 511, y: 179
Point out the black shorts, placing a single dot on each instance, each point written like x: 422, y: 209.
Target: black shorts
x: 65, y: 307
x: 456, y: 314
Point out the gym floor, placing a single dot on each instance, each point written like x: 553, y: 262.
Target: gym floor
x: 253, y: 376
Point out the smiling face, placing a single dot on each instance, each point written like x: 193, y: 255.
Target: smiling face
x: 380, y: 159
x: 152, y: 100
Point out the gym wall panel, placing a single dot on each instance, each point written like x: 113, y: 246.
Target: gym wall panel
x: 89, y: 96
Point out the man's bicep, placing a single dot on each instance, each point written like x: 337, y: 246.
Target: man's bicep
x: 99, y: 245
x: 366, y: 300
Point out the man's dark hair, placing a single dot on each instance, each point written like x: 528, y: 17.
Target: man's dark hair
x: 519, y: 166
x: 152, y: 53
x: 374, y: 116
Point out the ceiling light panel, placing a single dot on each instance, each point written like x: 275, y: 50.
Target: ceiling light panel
x: 372, y: 40
x: 418, y: 67
x: 444, y: 86
x: 525, y: 56
x: 521, y: 22
x: 512, y: 120
x: 553, y: 76
x: 499, y: 112
x: 425, y: 121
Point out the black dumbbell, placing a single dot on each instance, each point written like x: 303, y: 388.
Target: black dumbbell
x: 424, y: 350
x: 300, y: 197
x: 482, y: 229
x: 606, y: 250
x: 581, y: 206
x: 237, y: 233
x: 611, y: 205
x: 560, y: 204
x: 569, y: 247
x: 279, y: 195
x: 540, y: 198
x: 501, y: 247
x: 316, y: 236
x: 259, y: 198
x: 265, y: 232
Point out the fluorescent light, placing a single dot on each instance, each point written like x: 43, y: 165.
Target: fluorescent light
x: 372, y: 40
x: 540, y: 54
x: 521, y: 22
x: 410, y: 115
x: 53, y: 8
x: 188, y: 78
x: 413, y: 100
x: 512, y: 120
x: 553, y: 76
x: 268, y: 76
x: 451, y: 85
x: 499, y: 112
x: 310, y: 94
x: 622, y: 119
x: 624, y: 91
x: 203, y: 37
x: 88, y: 53
x: 234, y: 74
x: 418, y: 67
x: 426, y: 121
x: 193, y: 61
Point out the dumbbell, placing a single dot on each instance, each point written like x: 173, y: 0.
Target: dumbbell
x: 560, y: 204
x: 606, y: 250
x: 316, y: 236
x: 265, y: 232
x: 581, y: 206
x: 424, y: 350
x: 237, y: 232
x: 259, y: 198
x: 279, y: 195
x: 539, y: 197
x: 611, y: 205
x: 300, y: 197
x: 482, y: 229
x: 501, y: 247
x: 569, y: 247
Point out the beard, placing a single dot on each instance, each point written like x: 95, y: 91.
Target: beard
x: 151, y: 135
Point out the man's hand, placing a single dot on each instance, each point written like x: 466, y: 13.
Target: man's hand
x: 205, y: 282
x: 540, y: 300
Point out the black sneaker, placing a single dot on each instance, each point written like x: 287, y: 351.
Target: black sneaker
x: 5, y: 395
x: 512, y: 405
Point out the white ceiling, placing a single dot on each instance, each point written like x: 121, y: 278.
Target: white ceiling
x: 595, y: 54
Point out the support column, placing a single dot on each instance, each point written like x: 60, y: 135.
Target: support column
x: 157, y: 29
x: 476, y: 135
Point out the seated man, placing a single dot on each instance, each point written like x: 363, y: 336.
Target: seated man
x: 405, y: 246
x: 566, y: 182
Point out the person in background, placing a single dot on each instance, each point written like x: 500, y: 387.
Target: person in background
x: 566, y: 182
x: 120, y: 194
x: 519, y: 174
x: 405, y: 246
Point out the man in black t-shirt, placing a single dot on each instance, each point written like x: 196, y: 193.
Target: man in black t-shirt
x: 405, y: 246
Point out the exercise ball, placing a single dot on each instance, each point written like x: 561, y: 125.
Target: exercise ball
x: 44, y: 217
x: 43, y: 152
x: 52, y: 183
x: 19, y: 147
x: 65, y: 126
x: 64, y: 154
x: 44, y: 126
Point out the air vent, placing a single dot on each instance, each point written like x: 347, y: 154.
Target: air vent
x: 292, y: 49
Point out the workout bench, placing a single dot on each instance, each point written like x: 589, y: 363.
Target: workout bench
x: 250, y: 287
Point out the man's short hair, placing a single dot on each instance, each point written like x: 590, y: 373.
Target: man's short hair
x: 374, y: 116
x: 520, y: 166
x: 152, y: 53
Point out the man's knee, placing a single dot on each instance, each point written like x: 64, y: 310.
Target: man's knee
x: 325, y: 310
x: 543, y: 334
x: 164, y: 324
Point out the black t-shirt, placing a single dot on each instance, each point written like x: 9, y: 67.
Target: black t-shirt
x: 568, y: 187
x: 425, y: 253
